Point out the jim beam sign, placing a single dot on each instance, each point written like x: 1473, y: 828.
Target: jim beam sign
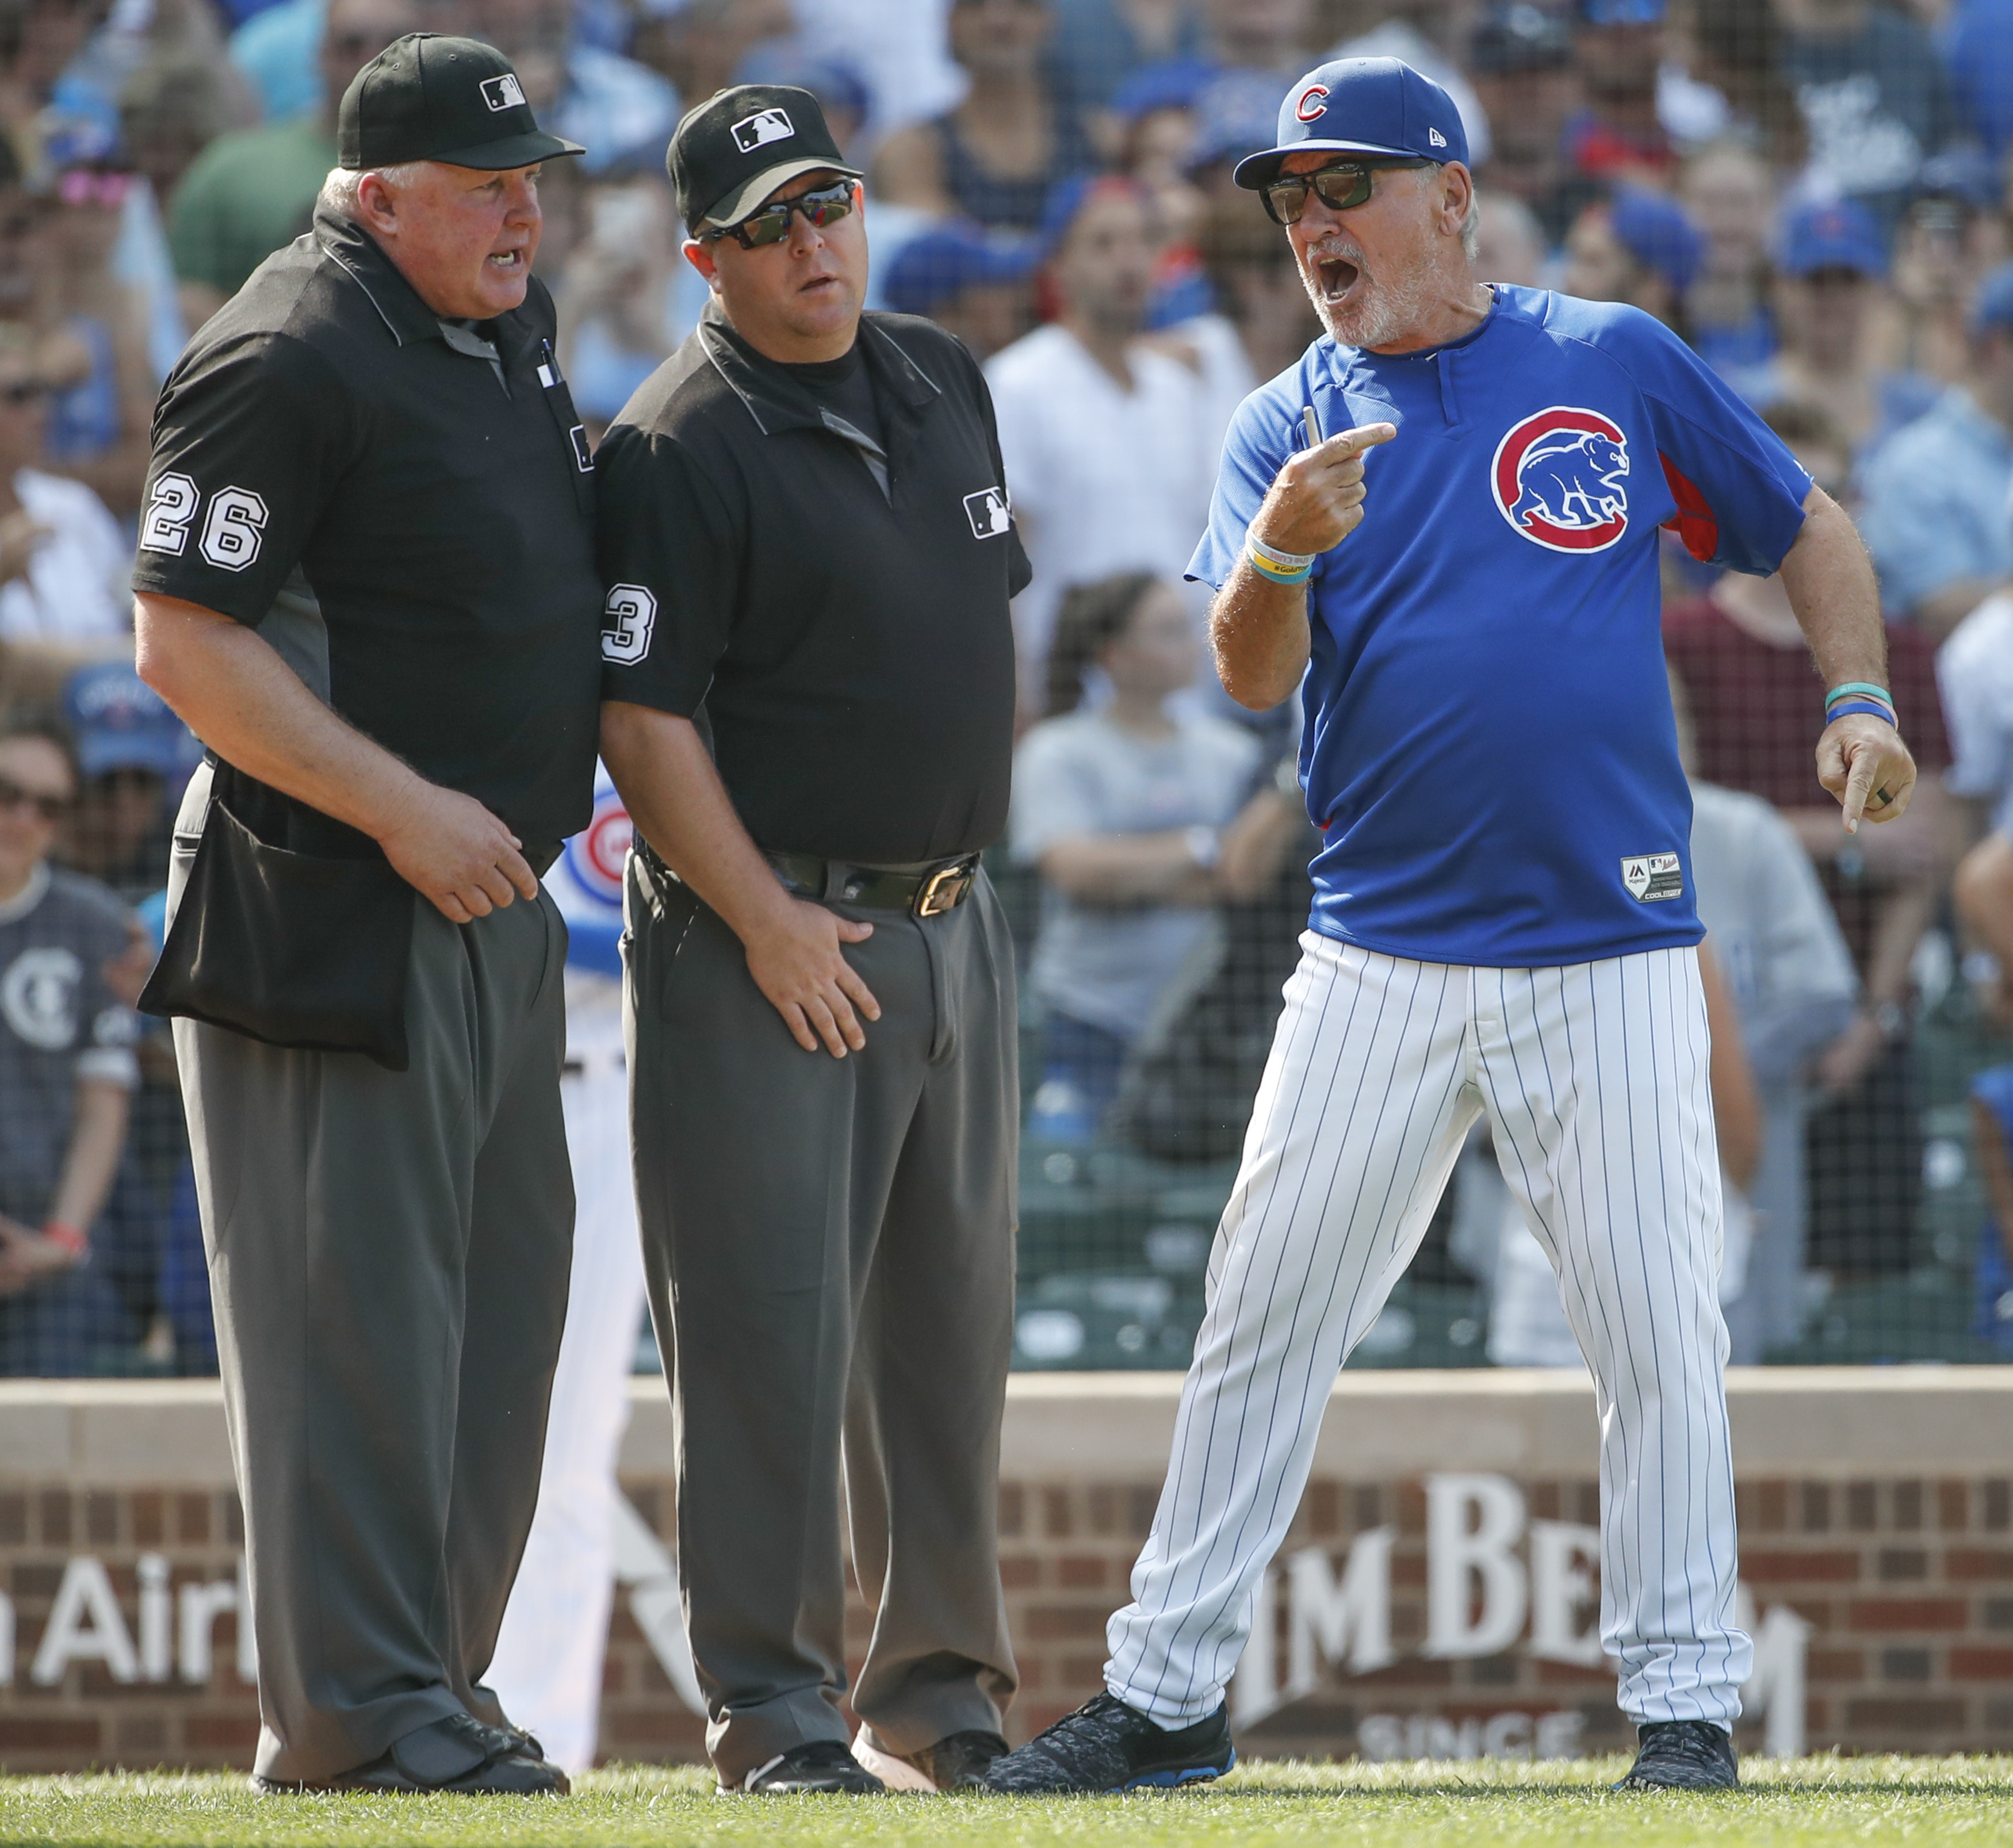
x: 1491, y: 1572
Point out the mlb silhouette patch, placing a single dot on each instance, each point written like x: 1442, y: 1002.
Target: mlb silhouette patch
x: 504, y: 92
x: 989, y: 512
x: 758, y: 130
x: 1651, y: 876
x: 1560, y: 477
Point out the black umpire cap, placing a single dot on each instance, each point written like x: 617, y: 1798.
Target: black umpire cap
x: 728, y: 154
x: 425, y: 97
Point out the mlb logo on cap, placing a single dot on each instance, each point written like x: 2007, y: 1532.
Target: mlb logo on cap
x: 758, y: 130
x: 504, y: 92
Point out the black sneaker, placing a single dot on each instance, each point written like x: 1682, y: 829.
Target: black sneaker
x: 1106, y: 1746
x: 957, y: 1761
x: 458, y: 1754
x: 960, y: 1761
x: 823, y: 1765
x: 1682, y: 1755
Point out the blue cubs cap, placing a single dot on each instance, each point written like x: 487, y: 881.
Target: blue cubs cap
x: 942, y: 263
x: 1993, y: 311
x: 1621, y: 12
x: 120, y: 723
x: 1362, y: 105
x: 1838, y: 236
x: 1657, y: 233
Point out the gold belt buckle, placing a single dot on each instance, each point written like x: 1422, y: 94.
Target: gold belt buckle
x: 944, y: 888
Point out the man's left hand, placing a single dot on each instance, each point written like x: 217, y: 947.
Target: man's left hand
x: 1862, y: 761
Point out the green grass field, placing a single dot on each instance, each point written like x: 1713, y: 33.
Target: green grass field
x: 1795, y: 1804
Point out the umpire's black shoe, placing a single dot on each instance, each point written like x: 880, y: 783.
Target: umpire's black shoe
x: 960, y: 1761
x: 1682, y: 1755
x: 1106, y: 1746
x: 458, y: 1754
x: 823, y: 1765
x: 957, y: 1761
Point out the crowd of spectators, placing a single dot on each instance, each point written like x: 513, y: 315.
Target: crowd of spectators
x: 1813, y: 193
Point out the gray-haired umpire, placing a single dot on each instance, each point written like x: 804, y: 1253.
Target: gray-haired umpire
x: 804, y: 526
x: 367, y: 580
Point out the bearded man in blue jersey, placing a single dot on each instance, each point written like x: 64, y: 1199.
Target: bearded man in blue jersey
x: 1463, y: 583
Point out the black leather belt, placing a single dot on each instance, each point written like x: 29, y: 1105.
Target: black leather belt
x: 922, y: 891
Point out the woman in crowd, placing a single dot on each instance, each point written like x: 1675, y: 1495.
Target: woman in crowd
x: 1122, y: 809
x: 995, y: 157
x: 1638, y: 247
x: 1730, y: 195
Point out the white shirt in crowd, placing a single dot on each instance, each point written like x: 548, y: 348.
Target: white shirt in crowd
x: 1081, y: 775
x: 77, y: 587
x: 1103, y: 480
x: 1974, y: 675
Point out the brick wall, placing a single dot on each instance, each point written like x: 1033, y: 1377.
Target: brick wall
x: 1902, y: 1570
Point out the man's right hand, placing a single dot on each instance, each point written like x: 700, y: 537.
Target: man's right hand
x: 463, y: 860
x: 1316, y: 500
x: 795, y: 957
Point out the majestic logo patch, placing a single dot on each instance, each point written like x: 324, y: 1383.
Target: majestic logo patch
x: 990, y: 513
x: 1650, y: 876
x: 1307, y: 96
x: 1558, y: 479
x: 756, y: 131
x: 594, y: 855
x: 503, y: 93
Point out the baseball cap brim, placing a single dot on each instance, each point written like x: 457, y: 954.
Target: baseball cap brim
x: 740, y: 203
x: 1256, y: 170
x: 100, y: 752
x: 500, y: 156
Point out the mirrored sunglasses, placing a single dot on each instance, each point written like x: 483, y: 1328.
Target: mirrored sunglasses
x: 1339, y: 187
x: 821, y: 206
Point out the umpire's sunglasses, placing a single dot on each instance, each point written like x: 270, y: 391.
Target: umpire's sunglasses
x: 822, y: 205
x: 1346, y: 183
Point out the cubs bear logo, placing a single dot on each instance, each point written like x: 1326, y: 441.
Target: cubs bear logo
x: 1559, y: 478
x: 596, y: 855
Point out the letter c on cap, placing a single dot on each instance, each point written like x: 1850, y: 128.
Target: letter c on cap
x: 1307, y: 96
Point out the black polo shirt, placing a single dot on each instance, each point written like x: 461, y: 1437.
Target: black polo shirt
x: 837, y: 605
x: 327, y: 423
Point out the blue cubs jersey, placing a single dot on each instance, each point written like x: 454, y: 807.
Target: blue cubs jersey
x: 586, y: 883
x: 1489, y: 747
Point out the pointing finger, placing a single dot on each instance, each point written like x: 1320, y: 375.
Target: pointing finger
x: 1859, y: 785
x: 1354, y: 442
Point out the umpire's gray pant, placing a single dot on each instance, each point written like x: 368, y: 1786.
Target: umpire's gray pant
x: 388, y: 1255
x: 830, y: 1245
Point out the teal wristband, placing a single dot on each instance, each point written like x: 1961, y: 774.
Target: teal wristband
x: 1848, y: 688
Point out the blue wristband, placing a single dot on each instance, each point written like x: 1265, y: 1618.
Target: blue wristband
x: 1846, y: 706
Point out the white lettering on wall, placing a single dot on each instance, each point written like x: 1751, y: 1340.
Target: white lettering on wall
x: 1472, y: 1525
x: 1565, y: 1555
x: 1479, y: 1594
x: 85, y: 1625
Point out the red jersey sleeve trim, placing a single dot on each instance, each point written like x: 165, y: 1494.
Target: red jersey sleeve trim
x: 1694, y: 522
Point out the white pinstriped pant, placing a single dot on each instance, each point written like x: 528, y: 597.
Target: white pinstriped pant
x: 1594, y: 1080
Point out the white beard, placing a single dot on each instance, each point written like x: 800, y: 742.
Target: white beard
x: 1381, y: 311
